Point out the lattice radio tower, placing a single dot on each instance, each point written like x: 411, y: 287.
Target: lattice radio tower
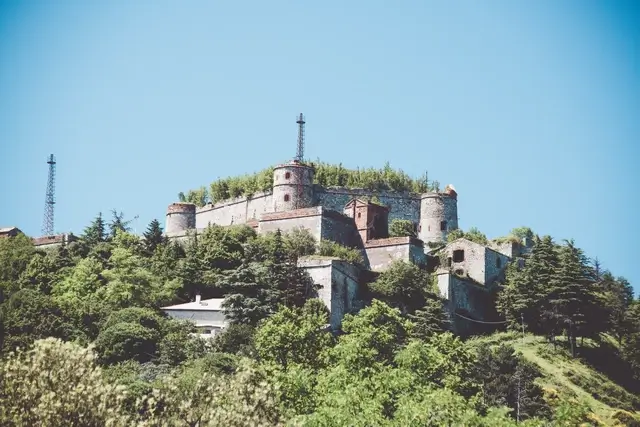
x: 300, y: 151
x: 47, y: 223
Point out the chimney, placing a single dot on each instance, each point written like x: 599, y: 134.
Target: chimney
x: 198, y: 298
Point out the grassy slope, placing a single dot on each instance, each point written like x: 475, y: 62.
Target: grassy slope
x: 576, y: 378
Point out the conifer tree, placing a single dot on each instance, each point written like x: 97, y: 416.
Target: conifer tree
x: 292, y: 286
x: 118, y: 223
x: 430, y: 319
x: 95, y: 232
x: 153, y: 237
x: 570, y: 296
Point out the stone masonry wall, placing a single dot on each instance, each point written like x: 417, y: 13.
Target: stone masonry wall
x: 234, y: 211
x: 474, y: 259
x: 495, y: 264
x: 310, y: 218
x: 382, y: 252
x: 402, y: 205
x: 339, y: 285
x: 339, y: 228
x: 467, y: 299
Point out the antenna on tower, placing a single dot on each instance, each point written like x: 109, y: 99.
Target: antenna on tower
x: 47, y: 223
x: 300, y: 152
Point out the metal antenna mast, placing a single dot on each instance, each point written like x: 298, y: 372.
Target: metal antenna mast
x: 300, y: 152
x: 47, y: 223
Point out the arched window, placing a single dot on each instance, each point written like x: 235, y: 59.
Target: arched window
x: 287, y: 175
x: 286, y: 197
x: 443, y: 225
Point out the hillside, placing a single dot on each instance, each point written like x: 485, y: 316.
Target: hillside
x: 596, y: 378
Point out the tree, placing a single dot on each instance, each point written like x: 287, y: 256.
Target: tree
x: 56, y: 383
x: 250, y: 296
x: 291, y: 285
x: 295, y: 336
x: 526, y: 290
x: 507, y: 379
x: 402, y: 285
x: 153, y: 237
x: 194, y: 397
x: 95, y: 232
x: 431, y: 319
x: 570, y: 295
x: 118, y: 223
x: 401, y: 228
x: 15, y: 254
x: 28, y: 316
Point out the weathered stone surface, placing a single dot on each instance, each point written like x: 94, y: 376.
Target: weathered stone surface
x: 382, y: 252
x: 180, y: 217
x: 481, y: 264
x: 340, y: 283
x: 292, y: 187
x: 235, y: 211
x: 401, y: 205
x: 438, y: 216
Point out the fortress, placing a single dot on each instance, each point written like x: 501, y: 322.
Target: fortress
x: 466, y: 272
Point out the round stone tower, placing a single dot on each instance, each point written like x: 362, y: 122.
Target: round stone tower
x: 180, y: 218
x: 438, y: 215
x: 292, y: 186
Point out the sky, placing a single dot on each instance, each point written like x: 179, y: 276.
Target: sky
x: 531, y: 109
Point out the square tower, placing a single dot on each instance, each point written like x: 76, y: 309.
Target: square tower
x: 372, y: 220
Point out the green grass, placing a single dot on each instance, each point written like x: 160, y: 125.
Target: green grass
x: 575, y: 378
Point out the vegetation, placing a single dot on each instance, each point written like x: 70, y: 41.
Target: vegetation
x: 327, y: 175
x: 402, y: 228
x: 84, y: 342
x: 473, y: 235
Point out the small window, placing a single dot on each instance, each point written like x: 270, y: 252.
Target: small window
x: 359, y: 214
x: 443, y: 225
x: 449, y: 262
x: 458, y: 255
x: 498, y: 262
x: 287, y: 175
x: 459, y: 272
x: 428, y: 228
x: 419, y: 228
x: 286, y: 197
x: 207, y: 331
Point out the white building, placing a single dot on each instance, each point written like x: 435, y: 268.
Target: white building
x: 207, y: 315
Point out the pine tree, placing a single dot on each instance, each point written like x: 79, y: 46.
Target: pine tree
x: 570, y: 296
x: 118, y: 224
x: 430, y: 319
x: 250, y: 298
x: 291, y: 285
x: 95, y: 232
x: 539, y: 271
x: 153, y: 237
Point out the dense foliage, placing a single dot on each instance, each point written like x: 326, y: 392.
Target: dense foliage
x: 327, y: 175
x: 85, y: 343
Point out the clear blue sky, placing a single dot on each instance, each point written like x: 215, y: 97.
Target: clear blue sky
x: 530, y: 108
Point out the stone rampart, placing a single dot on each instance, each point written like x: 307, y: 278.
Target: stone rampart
x: 234, y: 211
x: 382, y: 252
x: 401, y: 205
x: 339, y: 283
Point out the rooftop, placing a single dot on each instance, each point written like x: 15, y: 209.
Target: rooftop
x: 211, y: 304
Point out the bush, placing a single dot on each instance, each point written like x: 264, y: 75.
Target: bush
x: 333, y: 249
x: 402, y: 228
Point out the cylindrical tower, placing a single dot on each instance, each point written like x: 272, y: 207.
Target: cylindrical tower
x: 180, y: 218
x: 292, y: 186
x: 438, y: 215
